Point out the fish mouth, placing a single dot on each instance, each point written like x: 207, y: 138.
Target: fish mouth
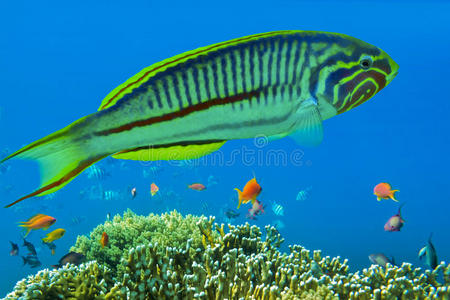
x: 392, y: 76
x: 394, y: 70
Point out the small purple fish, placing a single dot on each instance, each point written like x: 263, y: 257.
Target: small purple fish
x: 380, y: 259
x: 395, y: 223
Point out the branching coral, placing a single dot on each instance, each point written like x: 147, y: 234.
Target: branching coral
x: 169, y: 229
x: 86, y: 281
x: 171, y: 257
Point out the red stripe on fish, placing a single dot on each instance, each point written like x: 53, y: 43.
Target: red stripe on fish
x: 181, y: 113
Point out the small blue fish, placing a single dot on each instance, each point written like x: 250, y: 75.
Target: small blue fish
x: 278, y: 224
x: 231, y: 214
x: 303, y: 194
x: 78, y: 220
x: 277, y: 209
x: 429, y: 253
x: 30, y: 247
x: 31, y: 260
x: 151, y: 171
x: 211, y: 181
x: 110, y: 195
x: 96, y: 172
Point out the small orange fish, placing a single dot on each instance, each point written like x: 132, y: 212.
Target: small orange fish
x: 104, y: 239
x: 383, y: 191
x: 37, y: 222
x: 154, y: 189
x: 197, y: 187
x: 250, y: 192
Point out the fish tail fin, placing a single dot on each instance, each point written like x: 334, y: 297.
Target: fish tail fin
x: 61, y: 157
x: 392, y: 195
x: 24, y: 260
x: 45, y: 240
x: 239, y: 196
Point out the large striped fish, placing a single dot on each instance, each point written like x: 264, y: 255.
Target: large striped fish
x: 276, y: 83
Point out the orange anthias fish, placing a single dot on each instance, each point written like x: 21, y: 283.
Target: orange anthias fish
x: 104, y: 239
x: 153, y: 189
x: 197, y: 187
x: 383, y: 191
x: 250, y: 192
x: 37, y: 222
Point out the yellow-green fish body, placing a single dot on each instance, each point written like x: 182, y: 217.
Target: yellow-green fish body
x: 54, y: 235
x: 276, y: 84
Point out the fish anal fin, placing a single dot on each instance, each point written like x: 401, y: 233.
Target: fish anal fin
x: 170, y: 152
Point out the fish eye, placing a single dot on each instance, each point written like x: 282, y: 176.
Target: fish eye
x: 366, y: 62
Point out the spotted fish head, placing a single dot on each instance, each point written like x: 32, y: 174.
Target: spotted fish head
x: 351, y: 72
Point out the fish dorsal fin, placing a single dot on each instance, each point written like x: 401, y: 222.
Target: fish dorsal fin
x: 308, y: 130
x: 170, y: 152
x: 145, y: 74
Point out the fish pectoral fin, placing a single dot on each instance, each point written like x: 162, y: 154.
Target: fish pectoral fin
x: 188, y: 150
x: 308, y: 129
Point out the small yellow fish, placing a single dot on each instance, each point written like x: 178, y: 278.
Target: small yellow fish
x: 54, y: 235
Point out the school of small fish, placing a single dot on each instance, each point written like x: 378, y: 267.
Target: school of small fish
x: 62, y: 165
x: 395, y: 223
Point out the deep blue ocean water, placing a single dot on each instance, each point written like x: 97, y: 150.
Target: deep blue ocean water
x: 58, y: 61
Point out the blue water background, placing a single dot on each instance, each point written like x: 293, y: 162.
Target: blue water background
x: 59, y: 59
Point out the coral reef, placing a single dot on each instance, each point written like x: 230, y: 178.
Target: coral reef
x: 86, y: 281
x: 131, y: 230
x: 194, y: 258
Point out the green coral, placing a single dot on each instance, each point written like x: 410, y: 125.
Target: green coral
x: 171, y: 257
x: 131, y: 230
x: 87, y: 281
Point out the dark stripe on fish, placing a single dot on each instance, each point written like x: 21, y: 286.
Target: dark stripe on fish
x: 181, y: 113
x: 184, y: 143
x: 184, y: 57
